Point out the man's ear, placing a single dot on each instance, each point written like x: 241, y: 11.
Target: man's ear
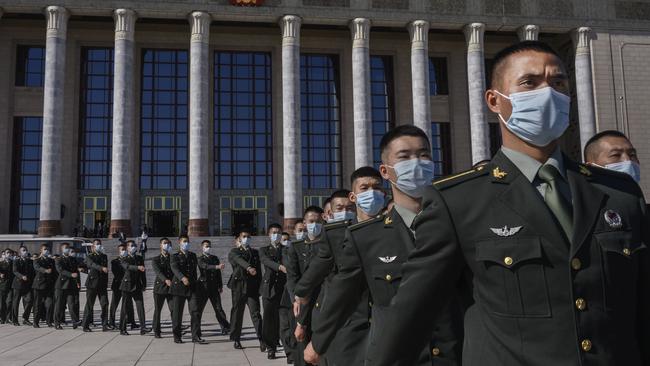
x: 492, y: 101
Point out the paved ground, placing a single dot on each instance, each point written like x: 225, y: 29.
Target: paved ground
x: 25, y: 345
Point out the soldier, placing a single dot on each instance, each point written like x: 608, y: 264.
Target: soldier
x: 613, y: 150
x: 66, y: 286
x: 96, y: 285
x: 132, y: 287
x: 118, y: 275
x: 273, y: 283
x: 81, y: 267
x: 555, y: 250
x: 43, y: 286
x: 211, y: 285
x: 347, y: 343
x: 299, y: 256
x: 23, y: 269
x: 6, y: 279
x: 287, y: 320
x: 162, y: 286
x: 185, y: 288
x: 244, y: 284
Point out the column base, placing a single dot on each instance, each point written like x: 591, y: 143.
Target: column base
x: 120, y: 225
x: 49, y: 227
x: 290, y: 223
x: 198, y: 227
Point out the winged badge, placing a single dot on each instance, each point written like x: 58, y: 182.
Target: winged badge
x: 505, y: 231
x: 387, y: 259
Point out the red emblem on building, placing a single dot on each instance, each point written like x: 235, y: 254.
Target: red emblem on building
x: 246, y: 2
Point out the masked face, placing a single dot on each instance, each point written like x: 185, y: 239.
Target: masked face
x: 123, y: 253
x: 99, y: 248
x: 629, y: 167
x: 314, y: 229
x: 286, y: 242
x: 300, y: 235
x: 167, y: 247
x: 207, y: 250
x: 344, y: 216
x: 45, y: 252
x: 275, y: 237
x: 244, y: 241
x: 185, y: 246
x: 371, y: 201
x: 413, y: 176
x: 66, y: 251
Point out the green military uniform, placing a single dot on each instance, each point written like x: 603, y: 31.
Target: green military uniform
x: 371, y: 259
x: 66, y: 286
x: 116, y: 296
x: 273, y: 284
x: 161, y: 292
x: 184, y: 264
x: 349, y: 343
x: 245, y: 290
x: 43, y: 287
x: 210, y: 288
x: 96, y: 286
x: 132, y: 287
x: 546, y: 291
x: 6, y: 279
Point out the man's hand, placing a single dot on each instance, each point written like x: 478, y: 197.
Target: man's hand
x: 74, y: 275
x: 251, y: 271
x: 105, y: 269
x: 310, y: 355
x: 221, y: 266
x: 168, y: 283
x: 301, y: 300
x: 185, y: 281
x: 300, y: 332
x: 282, y: 269
x: 296, y: 309
x: 141, y: 268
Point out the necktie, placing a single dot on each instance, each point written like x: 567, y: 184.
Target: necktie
x: 554, y: 200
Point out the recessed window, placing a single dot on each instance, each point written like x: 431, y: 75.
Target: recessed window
x: 381, y: 87
x: 441, y: 148
x: 30, y: 66
x: 26, y: 184
x: 438, y: 80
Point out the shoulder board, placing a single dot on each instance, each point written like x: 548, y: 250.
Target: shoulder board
x: 589, y: 170
x: 301, y: 241
x: 367, y: 222
x: 335, y: 225
x: 461, y: 177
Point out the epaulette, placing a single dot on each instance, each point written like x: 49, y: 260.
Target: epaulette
x: 334, y: 225
x: 366, y: 222
x: 455, y: 179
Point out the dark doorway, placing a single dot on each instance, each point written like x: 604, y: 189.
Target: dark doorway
x: 244, y: 220
x: 163, y: 223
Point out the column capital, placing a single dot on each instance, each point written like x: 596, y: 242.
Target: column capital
x: 124, y: 24
x: 581, y: 37
x: 474, y: 36
x: 360, y: 29
x: 200, y: 22
x: 290, y: 25
x: 57, y: 21
x: 529, y: 32
x: 419, y: 33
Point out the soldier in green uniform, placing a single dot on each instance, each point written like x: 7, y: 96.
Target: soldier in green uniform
x: 6, y: 278
x: 66, y: 285
x: 273, y: 284
x: 44, y: 287
x: 611, y: 149
x: 374, y: 250
x: 556, y: 252
x: 132, y: 287
x: 163, y: 283
x: 96, y: 285
x: 118, y: 275
x: 185, y: 289
x: 244, y: 284
x: 211, y: 285
x: 347, y: 344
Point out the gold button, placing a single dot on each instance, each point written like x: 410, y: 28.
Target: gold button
x: 507, y: 261
x: 626, y: 251
x: 581, y: 304
x: 389, y: 277
x: 586, y: 345
x: 435, y: 351
x: 576, y: 264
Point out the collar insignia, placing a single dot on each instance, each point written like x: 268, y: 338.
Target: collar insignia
x: 498, y: 173
x: 505, y: 231
x: 585, y: 171
x: 388, y: 220
x: 388, y: 259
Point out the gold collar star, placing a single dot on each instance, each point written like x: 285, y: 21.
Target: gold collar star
x: 498, y: 173
x: 585, y: 171
x: 388, y: 220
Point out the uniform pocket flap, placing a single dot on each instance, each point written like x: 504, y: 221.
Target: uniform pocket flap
x: 510, y: 252
x: 388, y: 272
x: 619, y: 242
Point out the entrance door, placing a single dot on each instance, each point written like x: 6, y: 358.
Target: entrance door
x: 163, y: 223
x: 244, y: 220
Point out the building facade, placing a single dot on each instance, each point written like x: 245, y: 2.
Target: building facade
x: 209, y: 116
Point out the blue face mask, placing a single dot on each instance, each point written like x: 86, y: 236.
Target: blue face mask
x: 413, y: 176
x: 371, y: 201
x: 66, y: 251
x: 185, y: 246
x: 538, y: 116
x: 344, y: 216
x: 314, y: 228
x: 300, y: 235
x: 627, y: 166
x: 167, y: 247
x: 124, y: 253
x: 275, y: 237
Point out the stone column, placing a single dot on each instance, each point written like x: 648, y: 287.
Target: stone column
x: 53, y: 101
x: 122, y: 168
x: 361, y: 95
x: 476, y: 90
x: 419, y: 32
x: 292, y: 169
x: 584, y: 85
x: 199, y: 124
x: 528, y: 32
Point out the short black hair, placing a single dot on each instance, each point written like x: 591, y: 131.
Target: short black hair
x: 206, y: 241
x: 164, y: 238
x: 62, y: 244
x: 274, y: 226
x: 365, y: 172
x: 590, y: 146
x: 285, y: 233
x: 399, y: 131
x: 501, y: 57
x: 315, y: 209
x: 341, y: 193
x: 130, y: 242
x: 183, y: 236
x: 327, y: 200
x: 97, y: 239
x: 123, y: 246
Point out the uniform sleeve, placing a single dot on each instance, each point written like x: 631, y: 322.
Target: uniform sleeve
x: 38, y: 268
x: 129, y: 267
x: 268, y: 263
x: 173, y: 261
x: 293, y: 269
x: 319, y: 267
x: 236, y: 259
x: 91, y: 264
x: 62, y: 271
x: 429, y: 279
x: 155, y: 263
x: 345, y: 291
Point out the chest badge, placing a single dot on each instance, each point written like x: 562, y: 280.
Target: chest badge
x: 506, y: 231
x: 388, y: 259
x: 613, y: 219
